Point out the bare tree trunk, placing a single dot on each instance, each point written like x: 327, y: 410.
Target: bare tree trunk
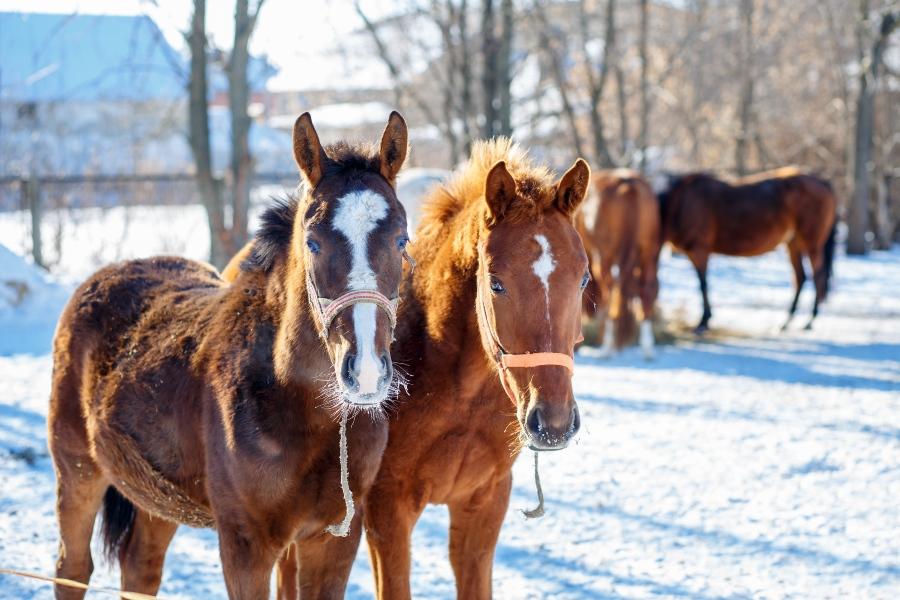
x: 31, y: 192
x: 505, y: 67
x: 746, y: 101
x: 467, y: 108
x: 858, y: 215
x: 489, y: 76
x: 597, y: 83
x: 559, y: 76
x: 239, y: 101
x: 645, y: 107
x: 198, y: 118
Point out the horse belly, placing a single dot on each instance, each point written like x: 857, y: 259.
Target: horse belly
x: 148, y: 440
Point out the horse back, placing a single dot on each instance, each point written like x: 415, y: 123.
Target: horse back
x: 627, y: 216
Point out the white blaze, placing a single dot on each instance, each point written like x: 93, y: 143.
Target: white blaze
x: 357, y: 216
x: 543, y: 267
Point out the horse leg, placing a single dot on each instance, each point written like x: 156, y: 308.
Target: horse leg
x: 605, y: 285
x: 80, y: 488
x: 325, y: 563
x: 389, y: 523
x: 649, y: 291
x: 820, y: 277
x: 143, y: 556
x: 286, y: 578
x: 796, y: 257
x: 80, y: 484
x: 700, y: 259
x: 247, y: 559
x: 474, y: 528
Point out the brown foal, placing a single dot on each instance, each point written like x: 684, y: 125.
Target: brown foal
x: 177, y: 399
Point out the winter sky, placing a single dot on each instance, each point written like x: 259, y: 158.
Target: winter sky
x: 299, y: 36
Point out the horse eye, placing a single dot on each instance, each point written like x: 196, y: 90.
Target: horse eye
x: 585, y: 280
x: 496, y: 286
x: 313, y: 246
x: 402, y: 241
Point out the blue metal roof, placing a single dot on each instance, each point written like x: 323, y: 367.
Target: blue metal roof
x: 47, y: 57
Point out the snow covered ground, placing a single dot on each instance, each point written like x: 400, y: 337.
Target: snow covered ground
x: 746, y: 464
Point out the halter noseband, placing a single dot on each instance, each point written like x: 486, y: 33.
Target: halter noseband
x: 504, y: 359
x: 328, y: 308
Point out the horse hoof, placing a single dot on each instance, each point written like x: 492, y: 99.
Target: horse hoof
x: 808, y: 326
x: 701, y: 329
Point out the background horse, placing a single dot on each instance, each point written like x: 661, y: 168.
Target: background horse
x: 500, y: 273
x: 178, y: 399
x: 702, y: 215
x: 621, y: 234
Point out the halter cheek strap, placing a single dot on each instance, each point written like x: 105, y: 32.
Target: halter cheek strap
x: 328, y: 308
x: 506, y: 361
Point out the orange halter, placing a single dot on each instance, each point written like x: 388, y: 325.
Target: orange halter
x: 504, y: 359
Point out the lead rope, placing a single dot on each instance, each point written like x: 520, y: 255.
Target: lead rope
x: 78, y: 585
x: 343, y: 528
x: 538, y: 511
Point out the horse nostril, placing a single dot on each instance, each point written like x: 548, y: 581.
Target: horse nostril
x: 387, y: 368
x: 575, y: 422
x: 349, y: 372
x: 535, y: 422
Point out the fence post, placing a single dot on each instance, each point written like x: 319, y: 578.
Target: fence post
x: 32, y: 193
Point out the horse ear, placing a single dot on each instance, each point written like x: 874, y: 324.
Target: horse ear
x: 573, y: 186
x: 308, y: 151
x: 499, y: 192
x: 394, y: 145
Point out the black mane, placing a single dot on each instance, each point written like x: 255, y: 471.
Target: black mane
x: 276, y: 227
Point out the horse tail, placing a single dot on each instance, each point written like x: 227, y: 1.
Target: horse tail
x: 828, y: 255
x: 117, y: 523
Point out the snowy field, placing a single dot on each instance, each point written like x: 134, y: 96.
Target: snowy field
x: 749, y: 464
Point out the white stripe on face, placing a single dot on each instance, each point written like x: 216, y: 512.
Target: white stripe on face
x: 357, y: 216
x: 543, y: 267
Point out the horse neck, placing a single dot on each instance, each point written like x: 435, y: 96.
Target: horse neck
x: 299, y: 355
x: 448, y: 309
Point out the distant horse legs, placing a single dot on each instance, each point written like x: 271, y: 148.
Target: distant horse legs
x: 820, y: 277
x: 605, y: 285
x: 700, y: 259
x: 143, y: 556
x: 474, y: 529
x: 649, y: 290
x: 796, y: 255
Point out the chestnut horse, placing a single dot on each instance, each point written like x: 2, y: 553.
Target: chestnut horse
x: 177, y: 399
x: 702, y: 215
x: 621, y: 234
x: 489, y: 319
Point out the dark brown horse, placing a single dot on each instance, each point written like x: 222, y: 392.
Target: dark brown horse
x: 177, y: 399
x: 621, y: 234
x: 702, y: 215
x: 488, y: 322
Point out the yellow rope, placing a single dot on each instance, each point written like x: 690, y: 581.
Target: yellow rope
x: 81, y: 586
